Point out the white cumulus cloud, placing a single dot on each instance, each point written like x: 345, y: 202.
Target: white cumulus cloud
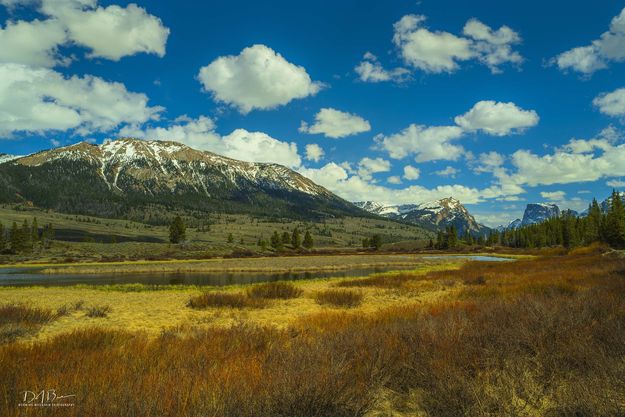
x: 40, y: 100
x: 32, y: 43
x: 610, y: 47
x: 314, y: 152
x: 411, y: 173
x: 553, y: 195
x: 336, y: 124
x: 370, y: 70
x: 353, y: 187
x: 498, y: 119
x: 578, y: 161
x: 257, y: 78
x: 448, y: 171
x: 240, y: 144
x: 368, y: 166
x: 439, y: 51
x: 612, y: 104
x: 108, y: 32
x: 423, y: 142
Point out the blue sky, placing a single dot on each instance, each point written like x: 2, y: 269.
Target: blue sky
x: 494, y: 103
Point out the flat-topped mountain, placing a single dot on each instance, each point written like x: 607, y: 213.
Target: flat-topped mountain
x: 122, y: 177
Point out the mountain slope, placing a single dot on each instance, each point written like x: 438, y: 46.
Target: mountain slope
x: 125, y: 177
x: 432, y: 215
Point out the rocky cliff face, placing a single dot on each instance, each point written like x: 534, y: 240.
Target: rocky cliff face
x: 539, y: 212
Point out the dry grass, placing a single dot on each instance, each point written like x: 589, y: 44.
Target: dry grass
x: 99, y: 311
x: 387, y: 280
x: 275, y: 290
x: 537, y: 338
x: 339, y: 298
x: 19, y: 320
x: 221, y: 299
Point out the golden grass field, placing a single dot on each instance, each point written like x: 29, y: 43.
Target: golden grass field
x: 136, y: 308
x: 538, y: 337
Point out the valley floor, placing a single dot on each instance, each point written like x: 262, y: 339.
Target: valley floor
x: 536, y: 337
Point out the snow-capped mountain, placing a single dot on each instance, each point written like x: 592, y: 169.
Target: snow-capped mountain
x: 434, y: 215
x: 382, y: 209
x: 6, y: 157
x: 539, y: 212
x: 514, y: 224
x: 117, y: 177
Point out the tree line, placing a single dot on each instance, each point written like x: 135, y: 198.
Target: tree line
x: 294, y: 239
x: 569, y: 230
x: 25, y: 238
x: 178, y: 234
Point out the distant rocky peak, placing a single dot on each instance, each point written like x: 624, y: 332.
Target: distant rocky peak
x: 539, y: 212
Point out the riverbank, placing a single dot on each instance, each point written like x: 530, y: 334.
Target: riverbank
x: 276, y: 264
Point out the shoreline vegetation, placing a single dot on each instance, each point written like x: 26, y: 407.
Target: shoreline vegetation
x: 471, y: 338
x: 276, y: 264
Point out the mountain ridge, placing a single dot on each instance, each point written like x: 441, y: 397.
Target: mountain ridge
x: 118, y: 176
x: 434, y: 215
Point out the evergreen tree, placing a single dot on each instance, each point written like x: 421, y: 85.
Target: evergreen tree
x: 276, y: 241
x: 308, y: 240
x: 615, y: 222
x: 286, y: 238
x: 3, y: 241
x: 48, y: 235
x: 26, y: 236
x: 15, y: 238
x: 230, y: 238
x: 440, y: 240
x: 34, y: 231
x: 593, y: 223
x: 296, y: 239
x: 177, y: 230
x: 376, y: 242
x: 452, y: 237
x: 366, y: 243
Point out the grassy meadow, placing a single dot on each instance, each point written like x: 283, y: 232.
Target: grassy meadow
x: 87, y: 238
x: 536, y: 337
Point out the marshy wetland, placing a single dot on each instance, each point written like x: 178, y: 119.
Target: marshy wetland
x: 444, y: 338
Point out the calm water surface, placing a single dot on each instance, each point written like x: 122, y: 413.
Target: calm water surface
x: 27, y: 277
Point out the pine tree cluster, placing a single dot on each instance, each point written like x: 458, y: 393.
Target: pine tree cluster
x: 569, y: 230
x: 25, y: 238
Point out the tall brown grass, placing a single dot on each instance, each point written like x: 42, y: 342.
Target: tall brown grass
x: 19, y: 320
x: 225, y: 299
x: 506, y: 348
x: 275, y: 290
x: 339, y: 298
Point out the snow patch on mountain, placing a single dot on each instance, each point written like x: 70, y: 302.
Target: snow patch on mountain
x: 434, y: 214
x: 8, y: 158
